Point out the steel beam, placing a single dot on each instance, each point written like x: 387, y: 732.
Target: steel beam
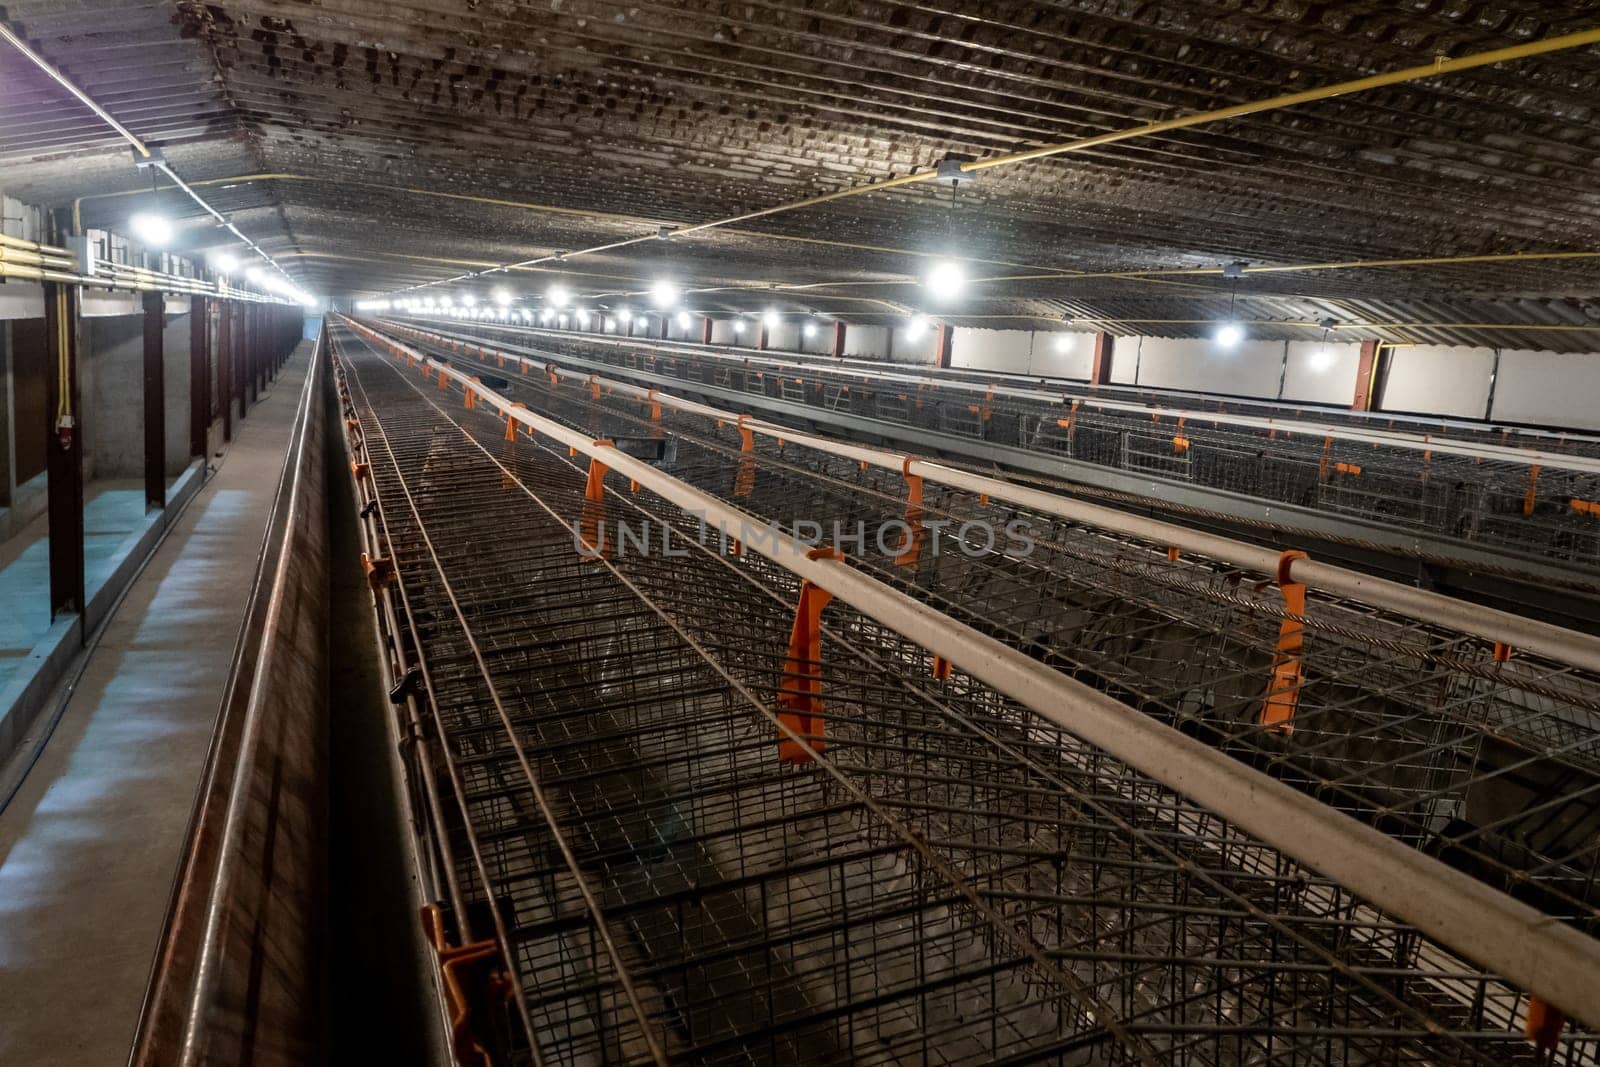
x: 225, y: 372
x: 155, y: 402
x: 1105, y: 347
x: 199, y: 373
x: 1366, y: 378
x: 64, y: 449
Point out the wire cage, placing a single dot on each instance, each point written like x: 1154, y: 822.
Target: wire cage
x: 679, y: 867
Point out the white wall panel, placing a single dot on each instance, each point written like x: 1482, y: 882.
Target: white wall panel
x: 820, y: 343
x: 1001, y: 350
x: 1063, y: 354
x: 1322, y: 372
x: 785, y: 336
x: 1549, y: 388
x: 866, y: 342
x: 21, y: 300
x: 1250, y: 368
x: 920, y: 350
x: 1438, y: 380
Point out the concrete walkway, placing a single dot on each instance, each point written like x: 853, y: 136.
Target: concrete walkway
x: 91, y: 843
x: 112, y: 511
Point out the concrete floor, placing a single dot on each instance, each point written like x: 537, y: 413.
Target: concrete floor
x: 90, y: 844
x: 112, y: 512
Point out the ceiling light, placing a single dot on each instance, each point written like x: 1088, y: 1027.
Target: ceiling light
x: 611, y: 324
x: 809, y: 329
x: 770, y: 319
x: 916, y: 326
x: 224, y: 263
x: 557, y: 295
x: 583, y: 317
x: 624, y: 316
x: 446, y: 302
x: 946, y: 280
x: 683, y: 320
x: 1063, y: 342
x: 149, y: 229
x: 738, y: 326
x: 502, y: 296
x: 253, y: 275
x: 546, y: 315
x: 468, y: 300
x: 1228, y: 335
x: 664, y: 294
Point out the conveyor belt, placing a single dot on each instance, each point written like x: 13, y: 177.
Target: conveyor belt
x: 953, y: 879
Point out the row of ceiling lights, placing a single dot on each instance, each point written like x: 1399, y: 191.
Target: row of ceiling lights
x: 915, y: 327
x: 945, y: 281
x: 156, y: 231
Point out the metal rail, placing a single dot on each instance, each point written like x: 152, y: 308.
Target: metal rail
x: 1463, y: 494
x: 881, y: 615
x: 1568, y: 646
x: 236, y: 976
x: 1426, y: 734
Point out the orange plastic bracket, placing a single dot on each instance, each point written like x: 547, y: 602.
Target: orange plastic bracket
x: 1586, y: 507
x: 744, y: 479
x: 1352, y: 469
x: 913, y: 549
x: 380, y: 571
x: 941, y: 669
x: 1322, y: 467
x: 1180, y: 445
x: 591, y: 533
x: 1502, y: 652
x: 1533, y: 489
x: 1283, y: 690
x: 456, y: 965
x: 800, y: 694
x: 1544, y: 1024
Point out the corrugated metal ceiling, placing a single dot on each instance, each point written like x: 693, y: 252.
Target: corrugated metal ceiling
x: 587, y: 121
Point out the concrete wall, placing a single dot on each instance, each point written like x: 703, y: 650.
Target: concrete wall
x: 1438, y: 380
x: 111, y: 377
x: 175, y: 373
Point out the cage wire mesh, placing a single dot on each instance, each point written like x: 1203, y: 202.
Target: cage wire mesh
x: 1420, y: 730
x: 1538, y: 511
x: 952, y: 878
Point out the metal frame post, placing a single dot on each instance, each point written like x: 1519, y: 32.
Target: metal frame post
x: 155, y: 402
x: 64, y: 450
x: 199, y: 374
